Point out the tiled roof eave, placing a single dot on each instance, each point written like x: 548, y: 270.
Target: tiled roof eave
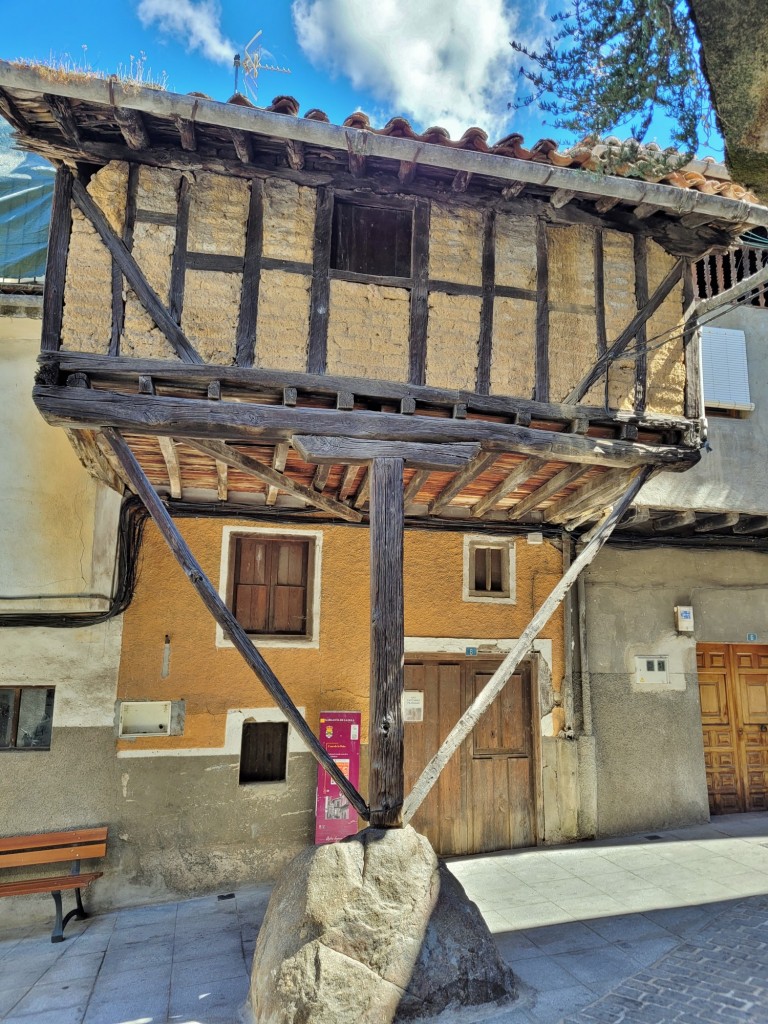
x: 171, y: 106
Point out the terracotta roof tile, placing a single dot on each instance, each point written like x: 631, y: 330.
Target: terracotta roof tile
x: 623, y: 158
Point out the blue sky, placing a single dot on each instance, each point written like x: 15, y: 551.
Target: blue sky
x: 444, y: 62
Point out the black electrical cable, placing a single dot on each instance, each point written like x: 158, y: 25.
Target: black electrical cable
x: 133, y: 517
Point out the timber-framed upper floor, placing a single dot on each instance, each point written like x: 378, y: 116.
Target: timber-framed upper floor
x: 228, y: 285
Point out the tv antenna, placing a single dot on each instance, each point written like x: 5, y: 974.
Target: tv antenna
x: 251, y: 65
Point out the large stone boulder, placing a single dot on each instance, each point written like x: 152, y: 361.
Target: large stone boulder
x: 371, y: 930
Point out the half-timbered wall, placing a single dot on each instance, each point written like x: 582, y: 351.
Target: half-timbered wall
x: 498, y: 301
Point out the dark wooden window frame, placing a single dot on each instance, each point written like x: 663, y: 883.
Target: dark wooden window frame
x: 259, y: 742
x: 18, y: 690
x: 393, y: 205
x: 308, y: 635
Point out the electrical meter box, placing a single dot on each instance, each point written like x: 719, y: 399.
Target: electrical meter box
x: 684, y: 618
x: 145, y: 718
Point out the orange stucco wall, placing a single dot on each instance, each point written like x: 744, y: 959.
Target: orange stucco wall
x: 336, y: 675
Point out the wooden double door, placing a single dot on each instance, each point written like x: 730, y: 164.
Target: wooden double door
x: 733, y: 686
x: 484, y: 799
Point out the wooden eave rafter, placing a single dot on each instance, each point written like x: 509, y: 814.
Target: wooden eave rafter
x: 19, y: 82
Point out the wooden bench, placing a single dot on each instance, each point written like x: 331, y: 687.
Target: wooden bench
x: 53, y: 848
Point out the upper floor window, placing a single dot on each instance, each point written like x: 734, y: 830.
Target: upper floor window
x: 724, y: 369
x: 26, y: 717
x: 372, y: 240
x: 270, y: 578
x: 489, y: 569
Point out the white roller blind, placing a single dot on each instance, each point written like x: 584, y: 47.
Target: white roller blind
x: 724, y: 367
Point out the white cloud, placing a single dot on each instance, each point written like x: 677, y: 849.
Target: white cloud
x: 445, y: 62
x: 196, y: 25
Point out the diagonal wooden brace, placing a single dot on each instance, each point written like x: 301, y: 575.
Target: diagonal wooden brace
x: 225, y: 618
x: 499, y: 679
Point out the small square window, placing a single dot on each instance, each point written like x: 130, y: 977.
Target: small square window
x: 489, y: 569
x: 371, y: 240
x: 649, y: 665
x: 263, y: 752
x: 26, y: 717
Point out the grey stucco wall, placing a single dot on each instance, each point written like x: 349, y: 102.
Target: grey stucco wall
x: 177, y: 825
x: 734, y: 475
x: 649, y: 750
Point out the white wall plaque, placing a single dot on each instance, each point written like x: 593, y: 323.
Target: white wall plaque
x: 413, y: 705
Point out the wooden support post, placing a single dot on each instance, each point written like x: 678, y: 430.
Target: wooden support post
x: 56, y: 270
x: 386, y: 780
x: 499, y: 679
x: 231, y: 627
x: 541, y: 388
x: 222, y: 486
x: 641, y: 336
x: 485, y: 341
x: 171, y: 458
x: 419, y: 312
x: 321, y: 283
x: 245, y: 346
x: 279, y: 460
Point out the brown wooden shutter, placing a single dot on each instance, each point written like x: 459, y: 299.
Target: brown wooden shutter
x: 270, y: 585
x: 289, y: 587
x: 251, y: 590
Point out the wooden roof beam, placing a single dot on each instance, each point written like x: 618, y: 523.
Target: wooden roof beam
x: 752, y: 524
x: 675, y: 521
x: 233, y: 421
x: 556, y: 483
x: 595, y: 494
x: 243, y: 147
x: 266, y: 123
x: 471, y: 472
x: 634, y: 517
x: 719, y: 521
x: 132, y: 128
x: 414, y: 485
x: 61, y: 109
x: 232, y: 457
x: 511, y: 482
x: 331, y: 450
x: 187, y: 135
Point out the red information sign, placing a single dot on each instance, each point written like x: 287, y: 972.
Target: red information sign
x: 335, y: 817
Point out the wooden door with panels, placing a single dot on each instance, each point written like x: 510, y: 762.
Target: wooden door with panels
x: 485, y: 798
x: 733, y: 687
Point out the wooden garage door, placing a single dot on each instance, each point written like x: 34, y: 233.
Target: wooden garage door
x: 733, y: 686
x: 484, y: 799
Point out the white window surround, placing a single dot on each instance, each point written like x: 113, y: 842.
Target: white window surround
x: 507, y: 545
x: 233, y: 735
x: 313, y: 598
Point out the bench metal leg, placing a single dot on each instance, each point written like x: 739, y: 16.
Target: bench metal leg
x: 57, y: 935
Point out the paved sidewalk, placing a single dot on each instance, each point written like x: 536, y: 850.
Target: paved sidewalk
x: 640, y: 930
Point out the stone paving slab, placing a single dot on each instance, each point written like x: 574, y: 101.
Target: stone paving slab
x: 669, y: 929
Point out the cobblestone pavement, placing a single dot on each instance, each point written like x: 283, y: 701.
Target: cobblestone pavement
x: 719, y: 975
x: 670, y: 928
